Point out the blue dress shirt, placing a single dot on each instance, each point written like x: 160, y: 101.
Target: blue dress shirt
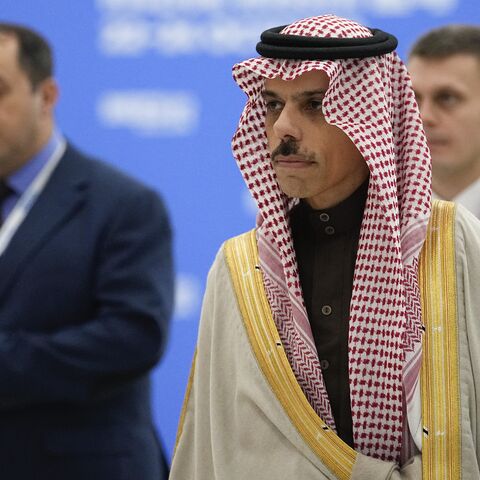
x: 21, y: 179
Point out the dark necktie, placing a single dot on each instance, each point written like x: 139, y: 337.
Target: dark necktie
x: 5, y: 191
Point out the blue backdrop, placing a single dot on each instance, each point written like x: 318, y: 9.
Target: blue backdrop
x: 146, y: 85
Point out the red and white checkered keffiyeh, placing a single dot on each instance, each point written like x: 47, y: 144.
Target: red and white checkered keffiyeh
x: 372, y: 101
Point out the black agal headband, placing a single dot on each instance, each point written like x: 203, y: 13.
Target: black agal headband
x: 273, y: 44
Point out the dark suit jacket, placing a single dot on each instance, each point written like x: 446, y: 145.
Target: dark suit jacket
x: 85, y: 298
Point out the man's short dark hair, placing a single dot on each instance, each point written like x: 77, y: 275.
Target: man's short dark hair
x: 447, y: 41
x: 34, y: 53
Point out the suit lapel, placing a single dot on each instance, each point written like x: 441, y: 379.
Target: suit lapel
x: 62, y: 196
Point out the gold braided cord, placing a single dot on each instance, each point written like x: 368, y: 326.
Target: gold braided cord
x: 441, y: 456
x: 242, y: 259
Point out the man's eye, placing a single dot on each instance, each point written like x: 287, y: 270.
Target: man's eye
x: 314, y: 105
x: 448, y: 99
x: 274, y: 106
x: 3, y: 90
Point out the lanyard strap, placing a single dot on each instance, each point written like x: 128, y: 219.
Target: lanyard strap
x: 25, y: 203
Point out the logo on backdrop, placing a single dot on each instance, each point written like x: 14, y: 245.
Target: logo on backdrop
x: 224, y: 27
x: 150, y: 112
x: 188, y: 296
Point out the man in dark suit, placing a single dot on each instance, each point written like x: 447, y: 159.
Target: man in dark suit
x: 85, y: 293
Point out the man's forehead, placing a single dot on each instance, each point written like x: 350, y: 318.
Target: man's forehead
x: 315, y: 80
x: 452, y: 63
x: 8, y: 45
x: 9, y: 61
x: 7, y: 38
x: 435, y: 73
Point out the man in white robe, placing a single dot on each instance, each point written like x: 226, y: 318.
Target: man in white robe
x: 331, y: 123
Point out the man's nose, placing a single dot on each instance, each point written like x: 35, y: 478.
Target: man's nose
x: 428, y: 112
x: 287, y: 124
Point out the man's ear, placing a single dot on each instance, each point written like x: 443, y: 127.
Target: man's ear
x: 49, y: 92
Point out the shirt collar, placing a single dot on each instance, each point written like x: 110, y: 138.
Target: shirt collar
x: 469, y: 198
x: 343, y: 217
x: 20, y: 180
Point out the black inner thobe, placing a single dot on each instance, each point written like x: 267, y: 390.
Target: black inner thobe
x: 326, y: 244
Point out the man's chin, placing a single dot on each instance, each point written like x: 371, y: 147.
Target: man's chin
x: 294, y: 191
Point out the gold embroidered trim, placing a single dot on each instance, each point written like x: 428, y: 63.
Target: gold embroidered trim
x: 242, y: 259
x: 441, y: 457
x: 183, y: 413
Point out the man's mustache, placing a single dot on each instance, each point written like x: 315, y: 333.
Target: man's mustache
x: 286, y: 148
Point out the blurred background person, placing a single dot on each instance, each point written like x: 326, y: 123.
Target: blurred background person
x: 85, y: 292
x: 445, y: 68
